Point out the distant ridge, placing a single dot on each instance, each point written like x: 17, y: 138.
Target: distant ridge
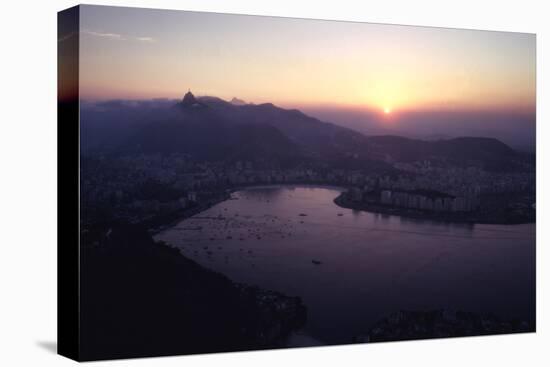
x: 211, y: 128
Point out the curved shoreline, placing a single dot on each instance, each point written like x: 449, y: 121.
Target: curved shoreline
x: 182, y: 214
x: 464, y: 218
x: 175, y: 218
x: 416, y: 214
x: 340, y: 201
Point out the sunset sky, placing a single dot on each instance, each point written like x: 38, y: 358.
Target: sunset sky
x: 139, y: 53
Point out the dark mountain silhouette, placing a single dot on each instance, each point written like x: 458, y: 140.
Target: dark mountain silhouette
x: 266, y: 144
x: 213, y: 129
x: 487, y: 152
x: 207, y: 135
x: 189, y: 101
x: 317, y: 139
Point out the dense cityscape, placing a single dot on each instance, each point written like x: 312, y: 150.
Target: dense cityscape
x: 140, y: 188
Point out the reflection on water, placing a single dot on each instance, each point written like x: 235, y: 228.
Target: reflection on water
x: 351, y: 267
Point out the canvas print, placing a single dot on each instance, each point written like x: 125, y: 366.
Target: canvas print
x: 251, y: 182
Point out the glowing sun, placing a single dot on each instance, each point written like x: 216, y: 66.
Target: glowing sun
x: 387, y: 110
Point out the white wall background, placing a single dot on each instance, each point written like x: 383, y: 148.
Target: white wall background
x: 28, y: 183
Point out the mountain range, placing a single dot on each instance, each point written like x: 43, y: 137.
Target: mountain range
x: 209, y: 128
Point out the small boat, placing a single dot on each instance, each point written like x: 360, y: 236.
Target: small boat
x: 316, y: 262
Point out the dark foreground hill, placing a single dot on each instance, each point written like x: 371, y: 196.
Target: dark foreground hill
x: 140, y: 298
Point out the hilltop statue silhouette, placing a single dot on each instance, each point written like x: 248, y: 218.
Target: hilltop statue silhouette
x: 189, y: 101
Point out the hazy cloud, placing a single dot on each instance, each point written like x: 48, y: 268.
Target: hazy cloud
x: 145, y: 39
x: 117, y: 36
x: 113, y: 36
